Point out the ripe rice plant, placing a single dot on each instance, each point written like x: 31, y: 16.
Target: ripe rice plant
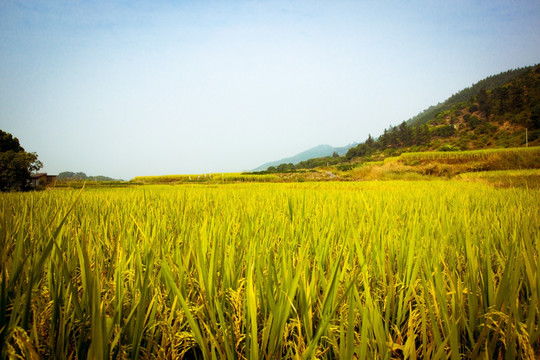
x: 440, y: 269
x: 501, y: 173
x: 213, y: 178
x: 527, y: 178
x: 471, y: 154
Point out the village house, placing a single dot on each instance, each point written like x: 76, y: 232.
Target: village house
x: 42, y: 179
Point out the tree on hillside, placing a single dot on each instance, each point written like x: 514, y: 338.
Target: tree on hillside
x: 16, y: 164
x: 483, y: 102
x: 535, y: 117
x: 370, y: 142
x: 405, y: 134
x: 421, y: 135
x: 383, y: 140
x: 516, y: 99
x: 500, y: 97
x: 359, y: 151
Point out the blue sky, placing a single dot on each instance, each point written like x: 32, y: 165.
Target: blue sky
x: 147, y: 88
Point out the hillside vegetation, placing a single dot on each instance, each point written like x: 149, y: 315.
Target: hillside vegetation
x: 467, y: 94
x: 502, y: 111
x: 427, y: 165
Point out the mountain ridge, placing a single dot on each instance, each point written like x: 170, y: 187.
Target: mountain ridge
x: 322, y: 150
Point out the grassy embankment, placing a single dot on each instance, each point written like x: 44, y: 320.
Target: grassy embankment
x: 430, y: 165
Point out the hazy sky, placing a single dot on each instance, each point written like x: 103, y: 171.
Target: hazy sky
x: 147, y: 88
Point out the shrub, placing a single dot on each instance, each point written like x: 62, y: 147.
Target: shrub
x: 448, y: 147
x: 444, y: 131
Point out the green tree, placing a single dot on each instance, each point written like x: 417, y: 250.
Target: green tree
x: 370, y: 142
x: 9, y: 143
x: 16, y: 164
x: 444, y: 131
x: 359, y: 150
x: 285, y: 167
x: 483, y: 102
x: 405, y: 134
x: 500, y: 95
x: 384, y: 140
x: 516, y: 98
x: 535, y: 117
x: 393, y: 136
x: 421, y: 135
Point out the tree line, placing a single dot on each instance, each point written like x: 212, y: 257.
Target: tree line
x: 80, y: 176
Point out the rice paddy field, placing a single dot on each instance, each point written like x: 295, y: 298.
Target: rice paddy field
x: 526, y: 178
x: 394, y: 269
x: 214, y: 178
x: 511, y: 154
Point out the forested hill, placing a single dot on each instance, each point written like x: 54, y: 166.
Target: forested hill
x: 497, y: 112
x: 466, y: 94
x: 505, y: 116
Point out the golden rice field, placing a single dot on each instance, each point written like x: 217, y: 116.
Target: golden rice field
x: 527, y: 178
x: 431, y: 269
x: 470, y: 154
x: 215, y: 178
x: 502, y: 154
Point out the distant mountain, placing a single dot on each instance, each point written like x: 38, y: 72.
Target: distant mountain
x: 316, y: 152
